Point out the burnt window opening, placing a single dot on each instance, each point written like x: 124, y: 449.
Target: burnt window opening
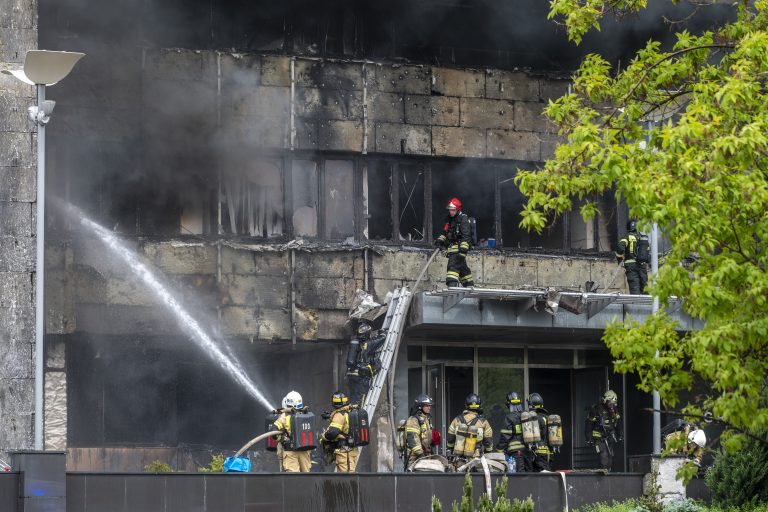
x: 410, y: 200
x: 338, y: 196
x: 252, y: 198
x: 473, y: 183
x: 304, y: 180
x: 377, y: 200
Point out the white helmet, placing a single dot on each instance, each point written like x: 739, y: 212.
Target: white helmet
x: 292, y: 401
x: 697, y: 437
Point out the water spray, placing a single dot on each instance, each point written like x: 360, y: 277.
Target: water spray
x: 184, y: 319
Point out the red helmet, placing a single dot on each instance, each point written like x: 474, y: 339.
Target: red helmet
x: 454, y: 203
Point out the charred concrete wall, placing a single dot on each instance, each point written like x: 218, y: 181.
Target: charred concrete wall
x: 18, y: 33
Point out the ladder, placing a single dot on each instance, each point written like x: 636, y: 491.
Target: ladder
x: 394, y: 321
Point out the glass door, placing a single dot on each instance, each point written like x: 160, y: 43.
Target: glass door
x: 436, y: 389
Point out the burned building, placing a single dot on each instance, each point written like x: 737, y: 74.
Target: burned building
x: 265, y: 161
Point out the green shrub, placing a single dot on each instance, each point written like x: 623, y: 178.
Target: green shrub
x: 215, y: 466
x: 616, y: 506
x: 485, y: 504
x: 158, y: 466
x: 740, y: 478
x: 684, y: 506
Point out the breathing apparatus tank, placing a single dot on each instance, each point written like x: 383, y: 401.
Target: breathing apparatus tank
x: 352, y: 352
x: 359, y: 428
x: 302, y: 431
x: 401, y: 437
x: 531, y: 431
x: 554, y: 431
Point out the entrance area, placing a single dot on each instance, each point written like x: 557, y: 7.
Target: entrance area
x: 569, y: 380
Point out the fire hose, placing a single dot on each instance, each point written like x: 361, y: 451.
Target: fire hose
x: 256, y: 440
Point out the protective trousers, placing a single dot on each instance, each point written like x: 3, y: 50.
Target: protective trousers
x: 296, y: 461
x: 604, y: 451
x: 458, y: 273
x: 346, y: 460
x: 637, y: 277
x: 358, y: 387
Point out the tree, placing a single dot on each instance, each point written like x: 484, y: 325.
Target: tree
x: 700, y: 174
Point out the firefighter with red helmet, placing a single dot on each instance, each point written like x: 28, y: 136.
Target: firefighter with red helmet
x: 456, y: 239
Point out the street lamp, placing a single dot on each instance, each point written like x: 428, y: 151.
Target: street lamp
x: 42, y: 68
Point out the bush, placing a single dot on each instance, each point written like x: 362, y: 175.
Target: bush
x: 215, y: 466
x: 740, y: 478
x: 158, y: 466
x: 685, y: 506
x: 616, y: 506
x: 503, y: 504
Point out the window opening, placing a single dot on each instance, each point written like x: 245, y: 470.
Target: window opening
x: 377, y: 198
x: 411, y: 201
x: 338, y: 197
x: 474, y: 185
x: 304, y: 187
x: 512, y: 203
x: 253, y: 199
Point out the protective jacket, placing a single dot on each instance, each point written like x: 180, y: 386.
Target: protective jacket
x: 471, y: 418
x: 603, y: 423
x: 691, y: 450
x: 361, y: 356
x: 338, y: 430
x: 457, y: 234
x: 511, y: 439
x: 418, y: 436
x: 627, y: 248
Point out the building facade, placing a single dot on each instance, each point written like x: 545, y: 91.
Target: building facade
x: 266, y: 163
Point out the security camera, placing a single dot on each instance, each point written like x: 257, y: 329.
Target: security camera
x: 41, y: 115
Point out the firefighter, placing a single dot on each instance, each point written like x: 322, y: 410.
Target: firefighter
x: 472, y: 426
x: 689, y: 441
x: 604, y: 428
x: 538, y: 455
x: 626, y: 253
x: 336, y: 437
x: 362, y: 361
x: 511, y: 439
x: 456, y: 239
x: 291, y: 461
x: 418, y: 430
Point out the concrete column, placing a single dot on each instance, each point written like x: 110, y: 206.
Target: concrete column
x: 663, y: 478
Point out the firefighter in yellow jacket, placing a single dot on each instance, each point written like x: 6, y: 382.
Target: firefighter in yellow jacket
x: 418, y: 430
x: 690, y: 441
x: 469, y: 434
x: 336, y: 436
x: 291, y: 461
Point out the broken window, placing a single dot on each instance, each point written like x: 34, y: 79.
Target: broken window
x: 512, y: 203
x: 338, y: 198
x: 377, y: 200
x: 252, y: 198
x: 410, y: 179
x: 304, y: 189
x: 474, y: 185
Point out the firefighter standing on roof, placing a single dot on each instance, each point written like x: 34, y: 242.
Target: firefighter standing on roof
x: 291, y: 460
x: 337, y: 435
x: 456, y: 239
x: 635, y: 268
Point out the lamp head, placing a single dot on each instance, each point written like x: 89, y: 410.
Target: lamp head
x: 43, y: 67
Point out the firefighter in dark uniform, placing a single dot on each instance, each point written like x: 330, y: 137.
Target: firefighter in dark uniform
x: 511, y: 439
x: 637, y: 272
x: 456, y: 239
x: 471, y: 416
x: 362, y: 361
x: 604, y: 428
x: 539, y: 454
x: 336, y: 437
x: 418, y: 430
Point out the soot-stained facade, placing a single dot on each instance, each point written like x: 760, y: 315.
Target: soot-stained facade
x: 266, y: 162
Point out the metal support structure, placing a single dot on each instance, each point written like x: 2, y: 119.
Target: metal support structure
x: 656, y: 397
x: 40, y: 275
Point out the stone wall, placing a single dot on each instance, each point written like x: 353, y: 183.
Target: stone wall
x: 18, y: 33
x: 300, y: 103
x: 252, y: 297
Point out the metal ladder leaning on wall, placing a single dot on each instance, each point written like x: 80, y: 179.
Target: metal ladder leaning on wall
x: 394, y: 321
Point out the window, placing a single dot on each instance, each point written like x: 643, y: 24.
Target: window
x: 512, y: 203
x: 252, y: 198
x: 304, y: 188
x: 377, y: 200
x: 410, y: 179
x: 338, y: 196
x: 474, y: 184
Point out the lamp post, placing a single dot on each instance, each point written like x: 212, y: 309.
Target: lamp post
x: 42, y: 68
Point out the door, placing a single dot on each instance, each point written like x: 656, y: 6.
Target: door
x: 436, y: 389
x: 588, y: 387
